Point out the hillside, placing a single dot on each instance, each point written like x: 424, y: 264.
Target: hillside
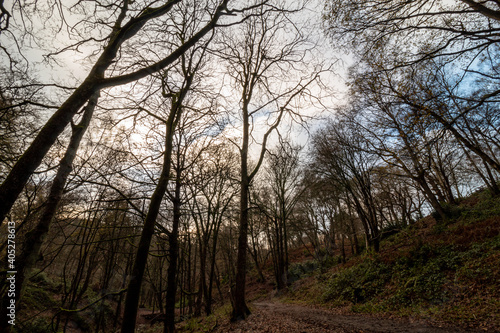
x: 443, y: 274
x: 426, y: 276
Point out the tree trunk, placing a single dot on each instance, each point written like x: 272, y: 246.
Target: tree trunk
x: 173, y: 256
x: 32, y: 157
x: 430, y: 196
x: 202, y: 279
x: 208, y: 305
x: 240, y: 309
x: 467, y: 143
x: 134, y: 287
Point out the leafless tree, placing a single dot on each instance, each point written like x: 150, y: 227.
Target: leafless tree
x: 264, y: 57
x: 282, y: 186
x: 340, y: 155
x: 120, y: 32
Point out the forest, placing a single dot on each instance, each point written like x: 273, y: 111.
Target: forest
x: 174, y: 161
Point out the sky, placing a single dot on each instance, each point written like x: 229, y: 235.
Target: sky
x: 55, y: 27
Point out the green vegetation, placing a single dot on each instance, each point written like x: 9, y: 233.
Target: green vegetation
x: 38, y: 325
x: 39, y: 302
x: 37, y: 298
x: 358, y: 283
x: 441, y: 271
x: 206, y: 324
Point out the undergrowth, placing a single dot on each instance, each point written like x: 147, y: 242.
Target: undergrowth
x: 442, y: 271
x: 206, y: 324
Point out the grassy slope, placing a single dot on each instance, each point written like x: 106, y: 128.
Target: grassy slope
x: 442, y: 272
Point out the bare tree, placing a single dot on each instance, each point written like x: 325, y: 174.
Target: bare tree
x: 449, y: 41
x: 448, y: 29
x: 263, y: 51
x: 283, y: 178
x: 340, y: 155
x: 213, y: 189
x: 419, y: 107
x: 130, y: 18
x: 176, y: 93
x: 34, y: 238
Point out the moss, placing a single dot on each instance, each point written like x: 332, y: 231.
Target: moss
x: 36, y: 298
x: 37, y: 325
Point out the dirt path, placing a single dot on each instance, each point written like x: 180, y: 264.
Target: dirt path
x: 277, y: 317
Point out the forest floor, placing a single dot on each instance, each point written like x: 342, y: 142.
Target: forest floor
x: 272, y: 316
x: 429, y: 277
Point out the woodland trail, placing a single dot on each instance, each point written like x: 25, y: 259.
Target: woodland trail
x: 274, y: 317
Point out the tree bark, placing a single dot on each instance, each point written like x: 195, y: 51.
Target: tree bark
x: 240, y: 309
x: 173, y: 252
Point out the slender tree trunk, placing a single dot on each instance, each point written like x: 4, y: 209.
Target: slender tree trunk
x: 118, y: 311
x: 489, y: 182
x: 430, y: 196
x: 281, y: 252
x: 467, y: 143
x: 173, y: 258
x: 32, y: 157
x: 280, y: 255
x: 435, y: 188
x: 376, y: 243
x: 255, y: 255
x: 444, y: 179
x: 240, y: 309
x: 285, y: 235
x: 343, y: 248
x: 369, y: 236
x: 493, y: 182
x: 202, y: 279
x: 134, y: 287
x: 208, y: 308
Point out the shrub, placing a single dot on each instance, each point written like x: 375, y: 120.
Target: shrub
x: 451, y: 212
x: 299, y: 270
x: 417, y: 287
x: 421, y: 275
x: 359, y: 283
